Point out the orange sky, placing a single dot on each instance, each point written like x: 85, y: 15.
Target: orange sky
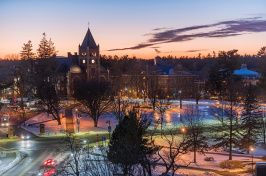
x: 126, y: 24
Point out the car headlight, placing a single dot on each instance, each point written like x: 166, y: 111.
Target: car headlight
x: 3, y: 124
x: 22, y: 137
x: 28, y: 137
x: 7, y: 124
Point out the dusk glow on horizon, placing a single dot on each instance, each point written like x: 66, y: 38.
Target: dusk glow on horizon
x: 143, y: 29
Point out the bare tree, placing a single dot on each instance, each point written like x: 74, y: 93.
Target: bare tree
x: 45, y: 86
x: 22, y: 77
x: 153, y: 89
x: 119, y: 108
x: 162, y: 104
x: 83, y: 160
x: 176, y: 148
x: 193, y: 121
x: 94, y: 98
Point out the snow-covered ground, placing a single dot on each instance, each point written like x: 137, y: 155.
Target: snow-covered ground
x: 171, y: 119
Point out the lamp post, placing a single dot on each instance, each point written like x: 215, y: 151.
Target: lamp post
x: 78, y: 118
x: 183, y: 130
x: 252, y: 149
x: 180, y: 98
x: 109, y: 129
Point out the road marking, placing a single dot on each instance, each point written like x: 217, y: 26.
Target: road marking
x: 34, y: 162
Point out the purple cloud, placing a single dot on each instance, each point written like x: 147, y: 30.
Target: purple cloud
x: 222, y: 29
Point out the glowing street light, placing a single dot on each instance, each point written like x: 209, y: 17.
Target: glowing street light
x: 252, y: 149
x: 183, y: 130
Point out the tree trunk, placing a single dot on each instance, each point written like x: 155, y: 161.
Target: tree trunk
x: 59, y: 121
x: 95, y: 122
x: 230, y: 140
x: 195, y: 152
x: 22, y: 102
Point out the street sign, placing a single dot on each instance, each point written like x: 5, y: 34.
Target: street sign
x: 109, y: 129
x: 103, y: 139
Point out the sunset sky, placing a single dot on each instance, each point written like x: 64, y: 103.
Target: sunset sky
x: 141, y: 28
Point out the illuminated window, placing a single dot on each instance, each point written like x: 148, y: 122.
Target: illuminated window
x: 83, y: 61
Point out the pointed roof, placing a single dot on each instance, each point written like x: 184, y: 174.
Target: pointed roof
x: 88, y: 41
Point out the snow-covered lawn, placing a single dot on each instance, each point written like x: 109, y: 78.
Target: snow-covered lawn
x: 171, y: 118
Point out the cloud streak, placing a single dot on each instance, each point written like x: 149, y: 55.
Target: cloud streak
x: 221, y: 30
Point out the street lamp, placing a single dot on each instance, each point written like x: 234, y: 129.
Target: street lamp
x: 78, y: 118
x: 109, y: 128
x: 180, y: 98
x: 252, y: 149
x: 183, y: 130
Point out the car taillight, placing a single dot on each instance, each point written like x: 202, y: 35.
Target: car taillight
x: 45, y: 162
x: 52, y: 163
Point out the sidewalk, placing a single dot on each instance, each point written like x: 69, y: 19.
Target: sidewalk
x: 52, y: 129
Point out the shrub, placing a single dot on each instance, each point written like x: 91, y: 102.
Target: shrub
x: 263, y: 157
x: 231, y: 164
x: 209, y: 159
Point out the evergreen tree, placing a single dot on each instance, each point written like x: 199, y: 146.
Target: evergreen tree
x: 46, y: 48
x: 128, y: 146
x: 227, y: 132
x: 222, y: 71
x: 251, y: 116
x: 26, y: 52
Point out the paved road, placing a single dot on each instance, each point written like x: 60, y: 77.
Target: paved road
x: 37, y: 150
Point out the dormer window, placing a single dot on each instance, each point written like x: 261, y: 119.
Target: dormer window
x: 83, y: 61
x: 83, y: 54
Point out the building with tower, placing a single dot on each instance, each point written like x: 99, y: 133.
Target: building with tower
x: 85, y: 65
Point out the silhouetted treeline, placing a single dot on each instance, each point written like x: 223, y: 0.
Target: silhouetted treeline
x: 187, y: 64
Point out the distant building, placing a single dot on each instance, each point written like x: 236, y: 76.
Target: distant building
x: 172, y: 80
x: 248, y: 75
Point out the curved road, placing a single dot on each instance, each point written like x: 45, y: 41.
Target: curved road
x: 37, y: 150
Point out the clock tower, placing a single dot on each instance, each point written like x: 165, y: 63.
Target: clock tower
x: 89, y: 57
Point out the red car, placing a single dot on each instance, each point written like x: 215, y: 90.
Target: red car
x: 50, y: 162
